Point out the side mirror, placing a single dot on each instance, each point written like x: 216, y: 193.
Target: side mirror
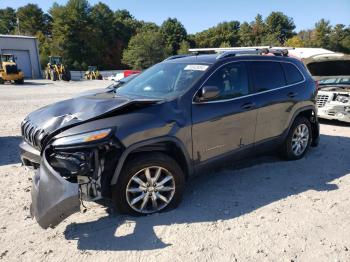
x: 208, y: 93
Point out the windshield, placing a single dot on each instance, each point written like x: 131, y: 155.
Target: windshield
x: 335, y: 81
x: 164, y: 80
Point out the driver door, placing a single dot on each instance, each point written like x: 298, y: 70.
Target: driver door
x: 225, y: 124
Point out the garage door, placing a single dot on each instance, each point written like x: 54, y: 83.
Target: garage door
x: 23, y: 61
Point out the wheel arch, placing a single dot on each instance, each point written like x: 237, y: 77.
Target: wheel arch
x: 171, y: 146
x: 310, y: 113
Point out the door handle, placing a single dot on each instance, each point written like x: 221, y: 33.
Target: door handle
x: 248, y: 106
x: 292, y: 94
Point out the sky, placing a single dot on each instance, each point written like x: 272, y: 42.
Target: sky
x: 197, y: 15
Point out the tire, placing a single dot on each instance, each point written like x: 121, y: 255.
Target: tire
x: 19, y: 81
x: 2, y: 81
x: 300, y: 126
x: 136, y: 167
x: 47, y: 75
x: 99, y: 77
x: 54, y: 75
x: 67, y: 75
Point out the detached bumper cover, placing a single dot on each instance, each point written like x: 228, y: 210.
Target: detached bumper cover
x: 29, y: 154
x: 53, y: 197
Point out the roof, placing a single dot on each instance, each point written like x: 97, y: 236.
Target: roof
x: 212, y: 58
x: 18, y: 36
x: 302, y: 53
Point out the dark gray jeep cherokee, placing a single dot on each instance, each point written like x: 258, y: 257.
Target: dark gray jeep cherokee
x: 138, y: 144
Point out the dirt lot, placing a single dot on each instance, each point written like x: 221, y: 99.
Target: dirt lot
x: 263, y: 210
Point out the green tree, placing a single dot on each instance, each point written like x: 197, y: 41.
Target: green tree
x: 183, y: 49
x: 173, y: 33
x: 258, y: 30
x: 102, y: 36
x: 245, y: 35
x: 295, y: 41
x: 71, y: 32
x: 33, y: 20
x: 144, y: 50
x: 321, y: 34
x: 7, y: 20
x: 279, y: 28
x: 213, y: 37
x: 338, y: 37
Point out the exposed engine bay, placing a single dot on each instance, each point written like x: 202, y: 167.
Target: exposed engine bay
x: 334, y: 103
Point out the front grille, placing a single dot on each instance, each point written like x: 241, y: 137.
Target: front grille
x: 32, y: 134
x: 321, y: 100
x: 11, y: 69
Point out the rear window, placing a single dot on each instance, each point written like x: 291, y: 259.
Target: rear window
x: 293, y: 75
x: 267, y: 75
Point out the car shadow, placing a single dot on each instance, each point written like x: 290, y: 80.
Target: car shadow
x: 239, y: 190
x: 9, y: 152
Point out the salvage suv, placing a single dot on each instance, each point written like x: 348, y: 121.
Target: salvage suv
x: 139, y: 144
x: 332, y: 70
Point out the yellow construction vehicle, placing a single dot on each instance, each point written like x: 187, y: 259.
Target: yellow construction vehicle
x: 55, y: 70
x: 92, y: 73
x: 9, y: 71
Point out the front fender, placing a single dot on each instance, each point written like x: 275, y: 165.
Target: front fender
x: 135, y: 146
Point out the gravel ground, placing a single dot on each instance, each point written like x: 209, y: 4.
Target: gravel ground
x: 265, y: 209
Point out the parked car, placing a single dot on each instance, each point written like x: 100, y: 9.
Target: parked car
x: 333, y: 74
x: 123, y: 74
x: 140, y: 144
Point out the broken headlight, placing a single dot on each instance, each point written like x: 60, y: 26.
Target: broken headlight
x: 342, y: 99
x: 82, y: 138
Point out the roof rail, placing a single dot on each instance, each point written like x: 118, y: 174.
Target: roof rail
x: 232, y: 51
x: 225, y: 49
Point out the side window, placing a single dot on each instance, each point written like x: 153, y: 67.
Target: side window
x: 293, y: 75
x: 267, y: 75
x: 231, y: 79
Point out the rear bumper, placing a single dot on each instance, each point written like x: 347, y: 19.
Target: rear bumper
x: 53, y: 197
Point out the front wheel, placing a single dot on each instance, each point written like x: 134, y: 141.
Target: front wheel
x: 299, y: 139
x: 149, y: 184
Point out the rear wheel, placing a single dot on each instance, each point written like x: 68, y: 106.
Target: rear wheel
x: 19, y: 81
x: 47, y: 75
x: 149, y: 184
x: 53, y: 75
x: 299, y: 139
x: 2, y: 81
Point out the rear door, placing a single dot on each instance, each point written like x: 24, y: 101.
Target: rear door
x: 226, y: 123
x: 276, y: 93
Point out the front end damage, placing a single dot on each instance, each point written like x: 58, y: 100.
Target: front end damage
x: 69, y: 175
x: 334, y: 103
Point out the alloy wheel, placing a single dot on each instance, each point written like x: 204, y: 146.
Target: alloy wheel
x: 300, y: 139
x: 150, y: 190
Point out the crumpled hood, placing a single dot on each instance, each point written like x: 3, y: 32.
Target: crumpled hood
x: 80, y: 109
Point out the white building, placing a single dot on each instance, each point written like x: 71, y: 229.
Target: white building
x: 26, y: 52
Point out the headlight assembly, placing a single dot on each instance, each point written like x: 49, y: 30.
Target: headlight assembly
x: 82, y: 138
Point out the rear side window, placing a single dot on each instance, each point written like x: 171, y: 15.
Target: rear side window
x: 232, y: 81
x: 293, y: 75
x: 267, y: 75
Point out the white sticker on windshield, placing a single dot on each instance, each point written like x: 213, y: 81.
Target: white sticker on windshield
x: 196, y: 67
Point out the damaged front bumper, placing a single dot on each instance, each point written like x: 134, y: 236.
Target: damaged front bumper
x: 335, y: 112
x: 53, y: 197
